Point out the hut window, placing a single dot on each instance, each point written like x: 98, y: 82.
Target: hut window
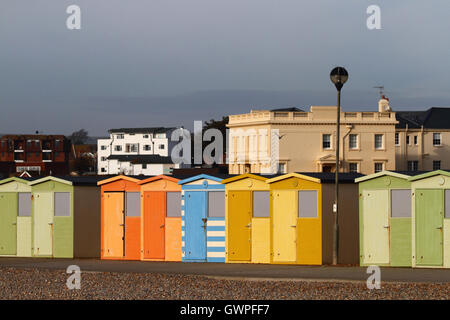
x: 216, y: 204
x: 447, y: 203
x: 307, y: 204
x: 62, y: 204
x: 261, y: 204
x: 173, y: 204
x: 133, y: 204
x: 24, y: 204
x: 400, y: 203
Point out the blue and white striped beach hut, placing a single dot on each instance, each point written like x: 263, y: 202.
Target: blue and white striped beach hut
x: 203, y: 218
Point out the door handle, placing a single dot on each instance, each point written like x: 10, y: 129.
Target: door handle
x: 386, y: 227
x: 162, y: 226
x: 440, y: 228
x: 121, y: 225
x: 294, y: 226
x: 50, y: 223
x: 249, y: 225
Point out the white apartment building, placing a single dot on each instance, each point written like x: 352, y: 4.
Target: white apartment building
x: 136, y: 151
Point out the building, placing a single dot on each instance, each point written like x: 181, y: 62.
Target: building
x: 305, y: 140
x: 421, y: 140
x: 136, y: 151
x: 36, y: 154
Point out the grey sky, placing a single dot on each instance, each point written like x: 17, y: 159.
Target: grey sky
x: 169, y: 62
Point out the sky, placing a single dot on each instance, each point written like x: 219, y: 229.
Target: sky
x: 140, y: 63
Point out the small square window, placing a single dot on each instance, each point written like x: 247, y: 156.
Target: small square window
x: 62, y: 204
x: 353, y: 167
x: 162, y: 147
x: 437, y: 139
x: 144, y: 166
x: 261, y: 204
x: 216, y: 204
x: 413, y: 165
x: 378, y: 167
x: 436, y: 165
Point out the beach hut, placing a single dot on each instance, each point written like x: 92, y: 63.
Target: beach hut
x: 203, y: 218
x: 121, y: 218
x: 15, y: 217
x: 65, y: 217
x: 385, y: 222
x: 302, y: 218
x: 247, y: 219
x: 161, y: 218
x: 431, y: 219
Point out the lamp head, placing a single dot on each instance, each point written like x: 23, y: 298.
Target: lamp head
x: 339, y: 76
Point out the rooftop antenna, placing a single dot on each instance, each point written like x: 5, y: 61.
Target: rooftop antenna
x: 380, y: 90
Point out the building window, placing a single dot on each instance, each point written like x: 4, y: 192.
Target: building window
x: 103, y: 158
x: 162, y: 147
x: 117, y: 148
x: 146, y: 136
x: 103, y: 147
x: 378, y: 141
x: 131, y: 147
x: 353, y: 167
x: 415, y: 140
x: 407, y: 140
x: 144, y: 166
x: 397, y: 139
x: 437, y: 139
x: 147, y: 147
x: 120, y: 136
x: 378, y: 167
x: 326, y: 141
x: 353, y: 141
x: 436, y: 165
x: 413, y: 165
x: 103, y: 169
x: 282, y: 168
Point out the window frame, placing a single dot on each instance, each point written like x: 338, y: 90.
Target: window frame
x: 382, y: 141
x: 330, y: 141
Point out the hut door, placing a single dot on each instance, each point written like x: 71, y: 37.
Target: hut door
x: 376, y: 226
x: 284, y: 226
x: 429, y: 227
x: 154, y: 224
x: 113, y: 224
x: 239, y: 225
x: 43, y: 224
x: 195, y: 228
x: 8, y: 223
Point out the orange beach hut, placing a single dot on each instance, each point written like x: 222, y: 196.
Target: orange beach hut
x: 121, y: 218
x: 160, y: 218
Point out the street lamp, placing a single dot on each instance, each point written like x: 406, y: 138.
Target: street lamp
x: 338, y: 76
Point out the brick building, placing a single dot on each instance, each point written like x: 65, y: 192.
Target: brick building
x: 36, y: 154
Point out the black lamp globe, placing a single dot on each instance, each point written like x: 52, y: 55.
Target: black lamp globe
x: 339, y: 76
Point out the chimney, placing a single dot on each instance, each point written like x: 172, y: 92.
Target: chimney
x: 383, y: 104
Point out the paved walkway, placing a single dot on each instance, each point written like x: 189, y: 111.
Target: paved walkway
x: 237, y: 271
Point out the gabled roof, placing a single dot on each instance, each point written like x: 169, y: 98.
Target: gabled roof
x: 159, y: 177
x: 430, y: 174
x: 50, y: 178
x: 203, y: 176
x: 135, y: 179
x: 381, y: 174
x: 249, y: 175
x: 294, y: 174
x: 433, y: 118
x: 16, y: 179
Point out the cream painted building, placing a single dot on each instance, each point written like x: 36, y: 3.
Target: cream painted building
x: 306, y: 140
x: 422, y: 141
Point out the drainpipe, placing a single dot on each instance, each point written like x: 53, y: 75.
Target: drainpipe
x: 350, y: 128
x: 406, y: 147
x: 421, y: 148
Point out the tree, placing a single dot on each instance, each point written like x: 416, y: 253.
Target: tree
x: 79, y: 137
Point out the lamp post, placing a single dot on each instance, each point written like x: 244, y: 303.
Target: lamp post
x: 338, y: 76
